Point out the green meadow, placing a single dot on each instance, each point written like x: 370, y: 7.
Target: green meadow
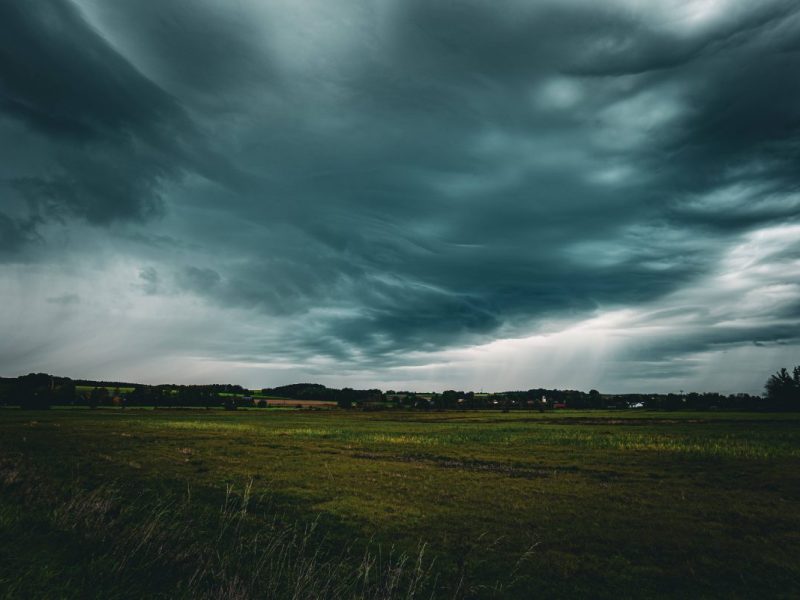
x: 298, y: 504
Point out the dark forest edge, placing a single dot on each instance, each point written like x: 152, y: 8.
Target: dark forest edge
x: 41, y: 391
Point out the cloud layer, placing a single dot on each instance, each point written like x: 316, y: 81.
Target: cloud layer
x: 425, y: 194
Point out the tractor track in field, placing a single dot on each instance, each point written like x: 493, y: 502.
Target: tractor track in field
x: 495, y: 467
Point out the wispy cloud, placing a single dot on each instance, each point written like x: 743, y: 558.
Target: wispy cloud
x: 575, y: 193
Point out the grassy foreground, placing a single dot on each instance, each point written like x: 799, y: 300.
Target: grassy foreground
x: 294, y: 504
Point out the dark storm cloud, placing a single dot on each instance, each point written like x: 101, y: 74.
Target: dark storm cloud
x: 66, y: 84
x: 412, y: 175
x: 197, y: 279
x: 64, y: 79
x: 14, y: 234
x: 449, y: 176
x: 109, y: 137
x: 708, y: 338
x: 196, y: 47
x: 735, y: 76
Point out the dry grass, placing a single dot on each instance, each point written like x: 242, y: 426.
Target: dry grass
x: 238, y: 552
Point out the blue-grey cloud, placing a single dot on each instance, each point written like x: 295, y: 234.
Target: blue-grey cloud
x: 377, y: 180
x: 108, y: 130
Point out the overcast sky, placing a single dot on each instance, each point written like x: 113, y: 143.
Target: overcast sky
x: 408, y: 194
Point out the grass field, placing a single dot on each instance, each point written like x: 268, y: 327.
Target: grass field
x: 134, y: 503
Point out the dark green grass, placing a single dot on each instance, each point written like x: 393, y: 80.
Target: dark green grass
x: 568, y: 504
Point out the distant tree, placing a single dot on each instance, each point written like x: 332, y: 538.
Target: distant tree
x: 34, y: 391
x: 783, y: 389
x: 140, y: 396
x: 161, y: 396
x: 469, y: 400
x: 64, y: 392
x: 97, y: 397
x: 449, y: 399
x: 211, y: 399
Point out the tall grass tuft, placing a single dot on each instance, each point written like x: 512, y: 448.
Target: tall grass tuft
x: 171, y: 546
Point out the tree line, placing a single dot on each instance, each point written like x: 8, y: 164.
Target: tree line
x: 345, y: 397
x: 40, y: 390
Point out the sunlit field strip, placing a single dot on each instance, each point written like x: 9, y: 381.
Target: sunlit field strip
x: 748, y: 445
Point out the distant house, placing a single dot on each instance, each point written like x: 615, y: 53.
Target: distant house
x: 560, y: 405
